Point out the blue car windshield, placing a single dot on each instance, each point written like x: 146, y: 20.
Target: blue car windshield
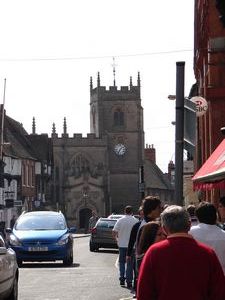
x: 36, y: 222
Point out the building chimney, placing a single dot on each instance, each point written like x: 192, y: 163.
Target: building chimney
x: 150, y: 153
x: 171, y: 170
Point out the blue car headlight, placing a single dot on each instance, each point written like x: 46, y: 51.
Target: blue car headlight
x: 63, y: 240
x: 14, y: 241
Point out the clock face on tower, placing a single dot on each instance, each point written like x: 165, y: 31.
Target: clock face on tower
x: 120, y: 149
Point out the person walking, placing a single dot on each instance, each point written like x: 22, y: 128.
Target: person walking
x: 191, y: 210
x: 121, y: 232
x: 92, y: 221
x: 180, y: 267
x: 152, y: 232
x: 12, y: 221
x: 131, y: 246
x: 221, y: 211
x: 208, y: 232
x: 151, y: 206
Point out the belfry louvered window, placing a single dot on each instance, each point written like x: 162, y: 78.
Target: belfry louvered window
x: 118, y: 117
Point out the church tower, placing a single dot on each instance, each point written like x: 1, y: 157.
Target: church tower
x: 118, y: 114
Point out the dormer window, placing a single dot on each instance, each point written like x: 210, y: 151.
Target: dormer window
x: 118, y: 117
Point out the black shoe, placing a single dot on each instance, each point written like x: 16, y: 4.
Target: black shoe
x: 129, y: 285
x: 122, y: 282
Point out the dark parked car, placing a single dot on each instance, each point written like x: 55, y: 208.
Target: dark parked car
x: 8, y: 272
x: 42, y: 236
x: 101, y: 235
x: 115, y: 216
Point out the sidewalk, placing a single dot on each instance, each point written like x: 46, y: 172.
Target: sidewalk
x: 80, y: 235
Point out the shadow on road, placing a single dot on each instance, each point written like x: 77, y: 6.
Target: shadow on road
x: 47, y: 265
x: 112, y: 251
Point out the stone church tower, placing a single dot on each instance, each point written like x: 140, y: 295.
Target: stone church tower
x: 101, y: 171
x: 117, y: 113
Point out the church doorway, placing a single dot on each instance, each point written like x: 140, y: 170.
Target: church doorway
x: 84, y: 216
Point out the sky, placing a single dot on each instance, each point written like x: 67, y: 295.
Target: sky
x: 50, y: 48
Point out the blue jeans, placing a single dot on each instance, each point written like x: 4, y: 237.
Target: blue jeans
x: 126, y: 268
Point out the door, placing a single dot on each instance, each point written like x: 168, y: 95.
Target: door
x: 84, y: 216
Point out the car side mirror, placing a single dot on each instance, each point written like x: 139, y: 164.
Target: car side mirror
x: 8, y: 230
x: 72, y: 229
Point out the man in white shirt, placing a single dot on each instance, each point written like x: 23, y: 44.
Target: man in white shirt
x: 208, y: 232
x: 121, y: 232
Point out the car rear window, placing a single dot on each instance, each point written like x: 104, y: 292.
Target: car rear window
x: 106, y: 224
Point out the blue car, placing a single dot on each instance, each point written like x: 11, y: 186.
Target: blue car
x: 42, y: 236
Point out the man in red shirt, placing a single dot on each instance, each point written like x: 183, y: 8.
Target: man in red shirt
x: 180, y: 267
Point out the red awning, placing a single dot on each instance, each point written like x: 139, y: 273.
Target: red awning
x: 212, y: 173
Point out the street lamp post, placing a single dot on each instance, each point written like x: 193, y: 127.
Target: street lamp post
x: 179, y: 135
x: 2, y: 164
x: 141, y: 182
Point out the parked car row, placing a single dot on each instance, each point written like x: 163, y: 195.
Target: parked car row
x: 42, y: 236
x: 9, y: 272
x: 35, y: 236
x: 101, y: 234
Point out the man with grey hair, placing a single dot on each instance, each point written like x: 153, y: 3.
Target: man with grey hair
x: 180, y: 267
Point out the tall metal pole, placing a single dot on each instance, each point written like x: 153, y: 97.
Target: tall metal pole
x: 2, y: 140
x: 2, y: 123
x: 179, y: 138
x: 141, y: 182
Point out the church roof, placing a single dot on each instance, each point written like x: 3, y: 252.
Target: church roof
x: 42, y: 145
x: 16, y: 141
x: 154, y: 177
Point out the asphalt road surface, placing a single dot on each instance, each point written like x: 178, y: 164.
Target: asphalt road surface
x: 93, y: 276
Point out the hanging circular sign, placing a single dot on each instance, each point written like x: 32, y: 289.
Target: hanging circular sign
x: 201, y: 105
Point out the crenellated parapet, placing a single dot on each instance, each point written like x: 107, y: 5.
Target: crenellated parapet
x: 130, y: 92
x: 78, y: 140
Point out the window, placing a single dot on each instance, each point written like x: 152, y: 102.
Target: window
x: 118, y: 118
x: 24, y: 175
x: 32, y: 175
x: 79, y: 165
x: 27, y: 176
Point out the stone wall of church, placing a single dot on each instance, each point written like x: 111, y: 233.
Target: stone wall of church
x: 81, y: 165
x: 124, y: 192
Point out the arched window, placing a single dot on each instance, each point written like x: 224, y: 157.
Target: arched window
x: 79, y: 165
x: 119, y: 117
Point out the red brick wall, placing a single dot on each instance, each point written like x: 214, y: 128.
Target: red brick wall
x: 210, y: 74
x: 209, y: 68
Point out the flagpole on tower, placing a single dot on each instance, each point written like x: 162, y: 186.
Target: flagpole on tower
x: 114, y: 71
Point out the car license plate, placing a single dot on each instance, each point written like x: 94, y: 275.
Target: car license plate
x: 37, y: 249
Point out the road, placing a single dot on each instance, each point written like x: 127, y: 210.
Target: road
x: 93, y: 276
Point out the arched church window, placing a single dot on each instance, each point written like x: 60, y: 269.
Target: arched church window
x: 118, y: 117
x: 81, y: 163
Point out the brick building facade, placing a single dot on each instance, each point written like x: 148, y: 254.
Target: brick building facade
x: 209, y: 68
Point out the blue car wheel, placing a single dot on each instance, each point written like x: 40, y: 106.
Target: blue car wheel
x: 68, y: 260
